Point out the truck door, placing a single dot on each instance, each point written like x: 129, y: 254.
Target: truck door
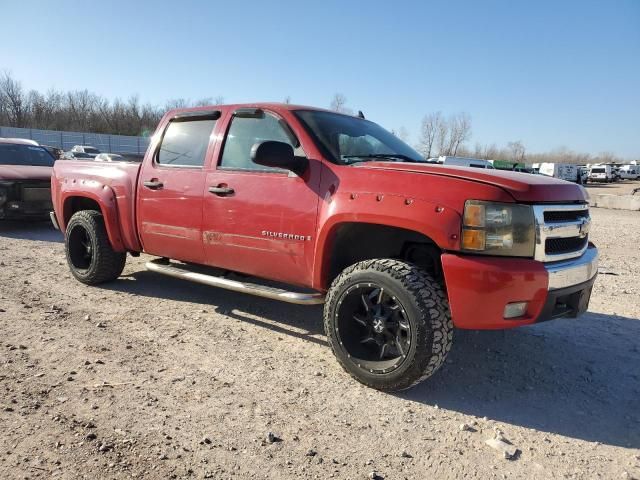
x: 171, y: 186
x: 260, y: 220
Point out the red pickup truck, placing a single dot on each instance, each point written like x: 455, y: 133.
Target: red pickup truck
x: 345, y: 214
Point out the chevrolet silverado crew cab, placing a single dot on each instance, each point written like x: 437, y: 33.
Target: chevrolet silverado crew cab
x: 321, y: 207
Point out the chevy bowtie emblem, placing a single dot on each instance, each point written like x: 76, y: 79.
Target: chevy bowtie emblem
x: 585, y: 226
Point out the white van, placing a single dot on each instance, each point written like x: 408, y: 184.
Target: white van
x: 601, y: 173
x: 563, y: 171
x: 630, y: 172
x: 464, y: 162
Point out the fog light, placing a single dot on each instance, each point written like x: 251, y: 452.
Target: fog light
x: 516, y: 309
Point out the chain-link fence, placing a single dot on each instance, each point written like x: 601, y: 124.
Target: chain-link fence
x: 66, y: 140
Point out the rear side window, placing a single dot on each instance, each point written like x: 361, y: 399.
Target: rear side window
x: 244, y: 132
x: 185, y: 143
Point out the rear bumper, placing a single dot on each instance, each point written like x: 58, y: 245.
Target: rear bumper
x: 479, y: 288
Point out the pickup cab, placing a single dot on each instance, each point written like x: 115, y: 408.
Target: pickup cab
x: 319, y: 207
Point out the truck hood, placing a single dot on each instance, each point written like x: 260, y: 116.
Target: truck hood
x: 523, y: 187
x: 25, y: 172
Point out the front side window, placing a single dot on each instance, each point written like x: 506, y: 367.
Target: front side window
x: 12, y: 154
x: 348, y: 139
x: 245, y: 132
x: 185, y: 143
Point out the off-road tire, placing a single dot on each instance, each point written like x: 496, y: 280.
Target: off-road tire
x: 427, y: 310
x: 105, y: 263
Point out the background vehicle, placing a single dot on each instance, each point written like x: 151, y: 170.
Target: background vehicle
x: 398, y: 250
x: 25, y: 179
x: 55, y: 152
x: 615, y: 171
x: 601, y: 173
x: 109, y: 157
x: 563, y: 171
x: 630, y: 172
x: 76, y: 156
x: 87, y: 149
x: 465, y: 162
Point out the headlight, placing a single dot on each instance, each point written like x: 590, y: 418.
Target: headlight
x: 498, y: 229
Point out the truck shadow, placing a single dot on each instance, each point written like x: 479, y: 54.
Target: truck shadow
x: 304, y: 322
x: 577, y: 378
x: 40, y: 230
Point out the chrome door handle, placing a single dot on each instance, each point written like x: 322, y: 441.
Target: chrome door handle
x: 153, y: 184
x: 221, y: 190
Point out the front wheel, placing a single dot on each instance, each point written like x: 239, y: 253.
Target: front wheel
x: 89, y: 254
x: 388, y: 323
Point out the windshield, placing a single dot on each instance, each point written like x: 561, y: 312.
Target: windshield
x: 11, y: 154
x: 598, y: 170
x: 91, y: 150
x: 347, y: 139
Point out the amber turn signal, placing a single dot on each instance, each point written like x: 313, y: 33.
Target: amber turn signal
x: 473, y: 239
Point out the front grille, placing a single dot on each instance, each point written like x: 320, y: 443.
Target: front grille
x: 565, y: 215
x: 556, y: 246
x: 561, y: 231
x: 30, y: 194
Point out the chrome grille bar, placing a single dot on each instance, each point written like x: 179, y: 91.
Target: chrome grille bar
x: 578, y: 228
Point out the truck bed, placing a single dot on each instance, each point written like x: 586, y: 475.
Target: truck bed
x: 110, y: 184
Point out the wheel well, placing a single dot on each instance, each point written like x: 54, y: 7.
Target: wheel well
x: 75, y: 204
x: 355, y: 242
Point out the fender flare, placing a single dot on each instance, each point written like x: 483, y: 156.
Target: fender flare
x: 440, y: 224
x: 104, y: 196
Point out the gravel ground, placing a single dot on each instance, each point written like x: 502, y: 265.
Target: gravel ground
x: 152, y: 377
x: 624, y: 187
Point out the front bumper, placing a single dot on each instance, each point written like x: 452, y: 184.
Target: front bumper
x: 16, y: 210
x: 479, y: 288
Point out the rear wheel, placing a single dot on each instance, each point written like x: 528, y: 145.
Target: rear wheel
x: 388, y: 323
x: 89, y: 254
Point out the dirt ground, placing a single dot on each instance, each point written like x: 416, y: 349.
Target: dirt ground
x: 624, y: 187
x: 153, y: 377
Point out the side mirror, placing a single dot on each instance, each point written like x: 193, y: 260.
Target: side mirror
x: 278, y: 155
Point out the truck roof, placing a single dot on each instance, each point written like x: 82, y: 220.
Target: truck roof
x: 267, y: 105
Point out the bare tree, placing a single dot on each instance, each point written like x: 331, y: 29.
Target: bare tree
x: 176, y: 103
x: 517, y: 151
x: 459, y: 131
x: 429, y: 130
x: 12, y: 99
x: 338, y: 104
x: 442, y: 135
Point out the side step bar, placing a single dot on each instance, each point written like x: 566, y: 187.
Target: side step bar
x: 160, y: 266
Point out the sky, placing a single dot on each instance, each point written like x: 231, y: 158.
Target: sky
x: 549, y: 73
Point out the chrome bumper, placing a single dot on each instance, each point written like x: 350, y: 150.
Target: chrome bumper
x: 573, y: 272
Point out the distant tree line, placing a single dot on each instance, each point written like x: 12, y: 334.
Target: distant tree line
x: 81, y: 110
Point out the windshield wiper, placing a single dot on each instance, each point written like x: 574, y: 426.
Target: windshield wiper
x: 399, y: 156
